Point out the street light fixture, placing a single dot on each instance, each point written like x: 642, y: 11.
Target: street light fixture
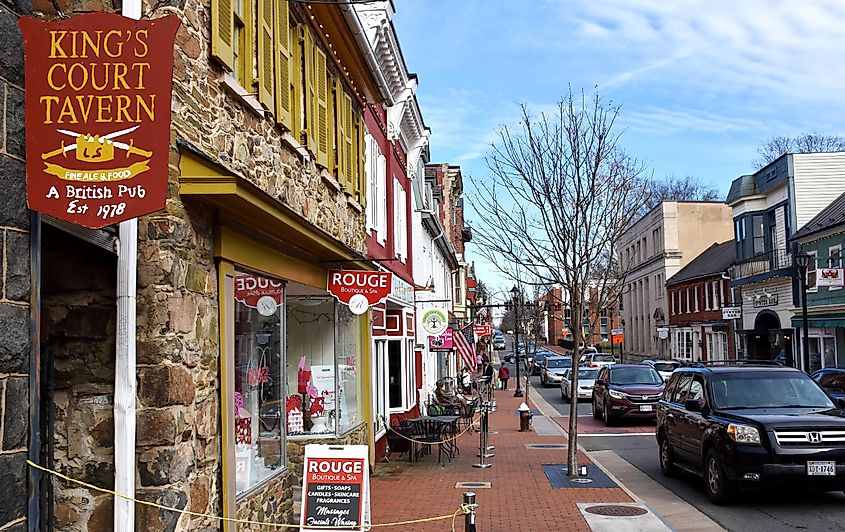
x: 516, y: 361
x: 802, y: 260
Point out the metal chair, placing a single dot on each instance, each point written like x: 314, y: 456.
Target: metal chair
x: 426, y: 434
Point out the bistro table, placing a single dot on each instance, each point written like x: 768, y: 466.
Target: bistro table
x: 430, y: 430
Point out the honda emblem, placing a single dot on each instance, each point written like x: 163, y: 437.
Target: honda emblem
x: 814, y: 437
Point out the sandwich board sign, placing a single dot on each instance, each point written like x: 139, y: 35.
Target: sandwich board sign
x: 335, y: 488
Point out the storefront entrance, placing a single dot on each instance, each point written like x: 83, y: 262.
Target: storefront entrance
x: 768, y: 341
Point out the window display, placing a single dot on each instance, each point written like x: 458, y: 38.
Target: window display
x: 347, y: 352
x: 259, y: 379
x: 323, y: 353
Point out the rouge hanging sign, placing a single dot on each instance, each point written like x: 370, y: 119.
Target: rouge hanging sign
x: 359, y: 289
x: 98, y: 92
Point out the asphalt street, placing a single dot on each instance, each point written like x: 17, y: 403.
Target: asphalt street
x: 770, y: 510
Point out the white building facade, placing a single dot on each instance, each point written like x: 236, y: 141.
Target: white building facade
x: 768, y: 207
x: 651, y: 250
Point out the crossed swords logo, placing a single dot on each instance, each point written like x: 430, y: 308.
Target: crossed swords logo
x: 129, y: 148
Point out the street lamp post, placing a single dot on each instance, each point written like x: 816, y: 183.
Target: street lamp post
x: 803, y: 260
x: 516, y: 360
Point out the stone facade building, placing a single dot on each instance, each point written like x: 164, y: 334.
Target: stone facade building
x: 15, y: 279
x: 265, y: 189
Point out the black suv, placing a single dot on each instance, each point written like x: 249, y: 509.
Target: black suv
x: 750, y: 425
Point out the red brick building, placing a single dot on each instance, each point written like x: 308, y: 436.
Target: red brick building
x: 598, y: 323
x: 697, y: 294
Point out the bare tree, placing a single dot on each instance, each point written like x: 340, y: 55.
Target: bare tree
x: 678, y: 189
x: 804, y: 143
x: 559, y: 194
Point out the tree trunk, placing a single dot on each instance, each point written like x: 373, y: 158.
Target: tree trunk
x: 572, y: 449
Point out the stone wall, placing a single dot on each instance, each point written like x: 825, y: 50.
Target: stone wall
x: 14, y: 274
x: 222, y: 125
x: 272, y: 503
x: 78, y: 330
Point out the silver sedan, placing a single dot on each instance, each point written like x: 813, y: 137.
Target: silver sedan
x: 586, y: 380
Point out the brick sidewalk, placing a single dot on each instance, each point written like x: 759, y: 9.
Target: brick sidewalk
x: 520, y: 498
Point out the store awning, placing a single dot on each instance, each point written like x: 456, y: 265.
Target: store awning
x: 828, y: 321
x: 247, y: 208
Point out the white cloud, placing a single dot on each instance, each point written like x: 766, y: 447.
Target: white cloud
x: 783, y: 48
x: 464, y: 122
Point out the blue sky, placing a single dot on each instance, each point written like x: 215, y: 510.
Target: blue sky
x: 701, y: 84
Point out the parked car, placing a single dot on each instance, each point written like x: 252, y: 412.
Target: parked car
x: 752, y: 426
x: 586, y: 381
x: 832, y: 380
x: 596, y: 360
x: 626, y: 390
x: 498, y: 343
x: 553, y: 368
x: 663, y: 367
x: 539, y: 357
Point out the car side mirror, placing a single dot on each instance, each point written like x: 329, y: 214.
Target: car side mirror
x: 692, y: 405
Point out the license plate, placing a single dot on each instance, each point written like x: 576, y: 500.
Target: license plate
x: 821, y: 468
x: 646, y: 408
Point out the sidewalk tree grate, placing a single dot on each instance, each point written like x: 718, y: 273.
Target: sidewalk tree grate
x: 546, y: 446
x: 595, y: 478
x: 474, y: 485
x: 616, y: 510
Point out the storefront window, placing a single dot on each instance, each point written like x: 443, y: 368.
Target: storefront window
x: 259, y: 379
x: 323, y: 353
x: 822, y: 350
x: 347, y: 351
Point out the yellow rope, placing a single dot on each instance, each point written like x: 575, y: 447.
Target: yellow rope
x: 465, y: 509
x: 447, y: 440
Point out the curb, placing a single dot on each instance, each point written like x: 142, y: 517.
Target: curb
x: 543, y: 406
x: 709, y: 524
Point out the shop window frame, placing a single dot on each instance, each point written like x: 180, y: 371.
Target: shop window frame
x: 227, y: 271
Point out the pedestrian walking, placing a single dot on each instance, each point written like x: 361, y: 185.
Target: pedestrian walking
x: 489, y: 374
x: 504, y: 375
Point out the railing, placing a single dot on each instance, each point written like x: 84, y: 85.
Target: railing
x: 770, y: 261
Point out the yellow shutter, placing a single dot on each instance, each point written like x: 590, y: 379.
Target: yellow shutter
x: 310, y: 94
x: 348, y: 148
x: 360, y: 183
x: 296, y: 81
x: 283, y: 63
x: 340, y: 135
x: 223, y: 32
x: 265, y: 53
x: 322, y: 107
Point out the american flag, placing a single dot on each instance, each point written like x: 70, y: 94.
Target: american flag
x: 464, y: 341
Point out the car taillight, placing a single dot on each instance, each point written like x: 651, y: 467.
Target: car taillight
x: 592, y: 365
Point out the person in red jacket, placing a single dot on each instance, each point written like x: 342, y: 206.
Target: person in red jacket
x: 504, y: 375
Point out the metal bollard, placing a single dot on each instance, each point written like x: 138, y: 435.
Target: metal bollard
x: 482, y: 443
x: 469, y: 519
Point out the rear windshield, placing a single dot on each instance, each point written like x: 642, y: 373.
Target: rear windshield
x: 767, y: 390
x: 603, y: 358
x: 665, y: 366
x: 559, y: 362
x: 589, y: 374
x: 643, y: 375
